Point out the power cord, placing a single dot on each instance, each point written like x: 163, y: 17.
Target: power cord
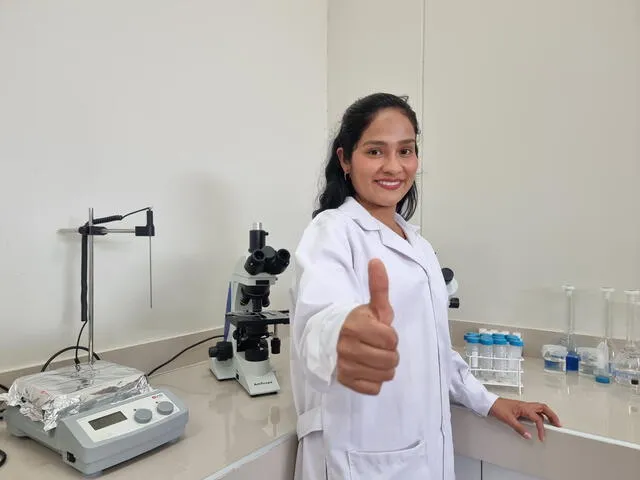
x: 60, y: 352
x: 3, y: 455
x: 6, y: 390
x: 76, y: 360
x: 181, y: 352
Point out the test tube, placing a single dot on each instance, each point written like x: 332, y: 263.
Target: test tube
x: 472, y: 348
x: 515, y: 354
x: 501, y: 354
x: 486, y: 357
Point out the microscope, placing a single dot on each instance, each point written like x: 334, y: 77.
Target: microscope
x: 452, y: 287
x: 244, y: 352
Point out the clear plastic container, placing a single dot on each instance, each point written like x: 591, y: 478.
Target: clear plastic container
x: 554, y: 357
x: 590, y: 360
x: 500, y: 354
x: 486, y: 354
x: 515, y: 354
x: 472, y: 350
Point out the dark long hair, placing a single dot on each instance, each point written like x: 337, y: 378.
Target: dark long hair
x: 355, y: 121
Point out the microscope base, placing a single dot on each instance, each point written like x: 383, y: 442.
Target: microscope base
x: 264, y: 385
x: 225, y: 370
x: 257, y: 378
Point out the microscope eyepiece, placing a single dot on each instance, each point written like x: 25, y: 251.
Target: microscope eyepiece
x: 447, y: 273
x: 278, y: 263
x: 255, y: 262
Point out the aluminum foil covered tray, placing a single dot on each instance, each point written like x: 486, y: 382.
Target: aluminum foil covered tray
x: 48, y: 396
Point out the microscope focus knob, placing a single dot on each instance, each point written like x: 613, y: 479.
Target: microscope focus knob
x: 222, y: 351
x: 275, y: 345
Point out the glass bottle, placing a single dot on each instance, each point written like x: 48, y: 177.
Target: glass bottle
x: 572, y: 360
x: 608, y: 348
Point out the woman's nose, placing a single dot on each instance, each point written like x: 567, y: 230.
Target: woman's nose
x: 392, y: 163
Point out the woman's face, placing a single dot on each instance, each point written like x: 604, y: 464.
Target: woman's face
x: 384, y: 162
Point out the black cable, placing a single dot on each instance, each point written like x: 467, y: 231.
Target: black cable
x: 76, y: 360
x: 181, y: 352
x: 74, y: 347
x: 136, y: 211
x: 1, y: 412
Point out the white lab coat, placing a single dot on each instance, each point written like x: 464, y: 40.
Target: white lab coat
x: 404, y: 432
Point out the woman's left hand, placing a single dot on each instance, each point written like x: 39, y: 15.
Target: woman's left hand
x: 510, y: 411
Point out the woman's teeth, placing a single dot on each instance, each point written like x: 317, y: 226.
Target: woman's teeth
x: 390, y: 184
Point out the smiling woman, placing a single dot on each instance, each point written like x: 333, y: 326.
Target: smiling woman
x: 372, y: 364
x: 383, y: 165
x: 375, y: 149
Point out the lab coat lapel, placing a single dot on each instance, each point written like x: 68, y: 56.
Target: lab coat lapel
x: 389, y: 238
x: 408, y: 247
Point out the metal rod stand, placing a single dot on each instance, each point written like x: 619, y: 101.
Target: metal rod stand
x: 90, y: 288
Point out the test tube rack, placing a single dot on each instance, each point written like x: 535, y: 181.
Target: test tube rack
x: 510, y: 377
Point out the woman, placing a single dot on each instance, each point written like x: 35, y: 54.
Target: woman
x: 372, y: 365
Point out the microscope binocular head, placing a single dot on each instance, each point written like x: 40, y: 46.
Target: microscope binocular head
x: 267, y: 260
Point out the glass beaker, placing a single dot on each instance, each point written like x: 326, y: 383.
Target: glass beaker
x: 627, y: 364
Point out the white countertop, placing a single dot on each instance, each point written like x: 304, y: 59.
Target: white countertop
x: 226, y: 425
x: 611, y: 411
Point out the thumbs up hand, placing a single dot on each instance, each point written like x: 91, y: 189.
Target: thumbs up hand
x: 367, y: 345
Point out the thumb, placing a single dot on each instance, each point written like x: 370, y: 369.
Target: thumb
x: 379, y: 291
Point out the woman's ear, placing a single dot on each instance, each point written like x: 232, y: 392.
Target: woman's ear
x: 343, y: 163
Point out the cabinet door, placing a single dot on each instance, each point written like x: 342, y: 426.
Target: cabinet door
x: 493, y: 472
x: 467, y: 468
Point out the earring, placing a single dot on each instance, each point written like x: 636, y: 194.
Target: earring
x: 345, y: 176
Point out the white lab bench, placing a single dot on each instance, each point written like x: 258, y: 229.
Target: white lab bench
x: 233, y: 436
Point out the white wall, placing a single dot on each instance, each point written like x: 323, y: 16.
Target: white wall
x: 214, y: 113
x: 532, y: 121
x: 531, y: 155
x: 374, y: 46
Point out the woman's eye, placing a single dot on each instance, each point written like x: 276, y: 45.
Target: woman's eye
x: 406, y: 151
x: 374, y: 152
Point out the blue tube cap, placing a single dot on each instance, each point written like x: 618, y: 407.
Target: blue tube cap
x: 603, y: 379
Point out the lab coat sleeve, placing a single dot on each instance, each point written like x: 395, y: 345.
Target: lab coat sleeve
x: 467, y: 390
x: 325, y: 291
